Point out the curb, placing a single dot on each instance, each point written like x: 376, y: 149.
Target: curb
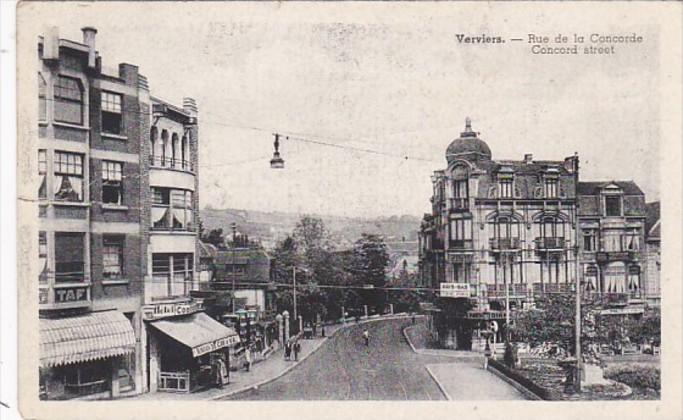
x: 438, y: 384
x: 519, y: 387
x: 254, y: 386
x: 426, y: 352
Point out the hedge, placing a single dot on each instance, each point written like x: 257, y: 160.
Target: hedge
x: 635, y: 375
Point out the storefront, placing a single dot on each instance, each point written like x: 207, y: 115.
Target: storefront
x: 86, y: 356
x: 188, y: 350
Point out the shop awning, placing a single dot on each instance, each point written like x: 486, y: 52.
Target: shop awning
x: 201, y: 333
x: 76, y: 339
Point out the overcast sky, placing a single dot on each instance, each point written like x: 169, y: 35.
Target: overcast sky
x: 386, y: 77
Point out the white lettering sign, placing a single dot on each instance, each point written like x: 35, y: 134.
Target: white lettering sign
x: 455, y: 290
x: 163, y: 310
x: 216, y: 345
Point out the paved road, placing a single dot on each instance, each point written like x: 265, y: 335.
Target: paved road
x: 345, y: 369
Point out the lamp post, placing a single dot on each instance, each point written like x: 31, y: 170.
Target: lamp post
x: 234, y: 243
x: 294, y: 290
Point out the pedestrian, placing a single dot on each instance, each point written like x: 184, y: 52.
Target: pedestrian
x: 288, y: 350
x: 413, y: 318
x: 487, y: 355
x: 297, y: 349
x: 366, y: 337
x: 322, y: 330
x: 247, y: 360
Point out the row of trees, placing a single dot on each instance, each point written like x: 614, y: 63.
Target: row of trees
x: 328, y: 278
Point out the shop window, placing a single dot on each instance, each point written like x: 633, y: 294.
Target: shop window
x: 613, y: 205
x: 69, y: 257
x: 87, y: 378
x: 42, y: 173
x: 42, y: 98
x: 68, y: 180
x: 112, y: 122
x: 112, y: 178
x: 68, y: 100
x: 112, y: 257
x: 590, y: 240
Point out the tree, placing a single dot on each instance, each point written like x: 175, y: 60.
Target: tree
x: 216, y: 238
x: 552, y: 321
x: 368, y: 267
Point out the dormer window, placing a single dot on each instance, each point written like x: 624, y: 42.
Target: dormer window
x: 613, y: 205
x: 550, y: 187
x: 505, y: 187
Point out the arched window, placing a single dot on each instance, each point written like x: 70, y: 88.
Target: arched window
x: 505, y: 227
x: 164, y: 144
x: 153, y: 134
x: 186, y: 153
x: 615, y: 276
x: 175, y: 150
x: 68, y: 101
x: 42, y: 98
x: 552, y: 227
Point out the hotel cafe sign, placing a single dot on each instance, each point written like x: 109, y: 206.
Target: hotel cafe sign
x: 169, y: 309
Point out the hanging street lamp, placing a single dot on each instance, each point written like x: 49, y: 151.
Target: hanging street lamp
x: 277, y: 162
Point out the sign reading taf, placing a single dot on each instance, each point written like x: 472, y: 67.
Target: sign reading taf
x: 455, y: 290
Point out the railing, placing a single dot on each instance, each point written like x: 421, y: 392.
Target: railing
x: 169, y: 162
x: 549, y: 243
x: 541, y: 288
x: 611, y: 298
x: 515, y: 290
x: 460, y: 244
x: 504, y: 244
x: 174, y: 381
x: 459, y: 203
x: 607, y: 256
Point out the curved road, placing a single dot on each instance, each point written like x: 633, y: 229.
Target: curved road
x: 345, y: 369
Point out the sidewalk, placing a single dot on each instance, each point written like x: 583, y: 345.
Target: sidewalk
x: 261, y: 373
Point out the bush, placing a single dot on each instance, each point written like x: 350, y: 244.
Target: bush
x: 636, y: 375
x: 510, y: 356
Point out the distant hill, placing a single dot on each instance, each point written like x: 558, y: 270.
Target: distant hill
x: 269, y: 227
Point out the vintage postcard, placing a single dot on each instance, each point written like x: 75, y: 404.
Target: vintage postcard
x: 336, y: 209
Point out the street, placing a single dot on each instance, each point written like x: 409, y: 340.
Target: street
x: 345, y: 369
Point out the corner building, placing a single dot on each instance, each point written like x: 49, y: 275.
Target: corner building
x: 496, y: 223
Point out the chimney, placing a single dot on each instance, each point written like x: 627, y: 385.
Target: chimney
x: 89, y: 39
x: 190, y: 106
x: 528, y: 159
x: 51, y: 44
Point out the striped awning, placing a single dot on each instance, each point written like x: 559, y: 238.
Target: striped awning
x: 76, y: 339
x: 201, y: 333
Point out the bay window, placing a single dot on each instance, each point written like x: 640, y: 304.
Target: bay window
x: 68, y: 179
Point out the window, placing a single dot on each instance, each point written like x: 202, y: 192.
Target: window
x: 42, y: 256
x: 112, y: 257
x: 42, y: 98
x: 186, y: 153
x: 634, y: 278
x: 631, y: 240
x: 590, y: 240
x: 460, y: 188
x: 86, y: 378
x: 162, y: 145
x: 112, y: 188
x: 42, y: 173
x: 461, y: 229
x: 68, y: 94
x: 591, y: 278
x: 550, y: 187
x: 615, y: 275
x: 173, y: 272
x: 612, y: 205
x: 153, y: 134
x: 505, y: 188
x: 612, y: 240
x: 505, y: 227
x: 69, y: 257
x: 111, y: 113
x: 172, y: 209
x: 68, y: 178
x: 175, y: 151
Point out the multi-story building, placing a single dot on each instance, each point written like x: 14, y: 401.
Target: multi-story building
x: 502, y: 232
x: 117, y: 210
x: 90, y: 233
x: 496, y: 224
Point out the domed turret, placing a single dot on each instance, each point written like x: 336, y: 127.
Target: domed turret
x: 468, y: 146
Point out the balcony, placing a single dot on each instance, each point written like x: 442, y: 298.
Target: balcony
x: 543, y: 288
x: 515, y: 290
x: 460, y: 244
x: 458, y: 204
x: 57, y: 291
x: 171, y: 163
x: 550, y: 244
x: 609, y: 256
x: 504, y: 245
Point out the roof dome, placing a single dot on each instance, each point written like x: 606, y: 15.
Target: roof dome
x: 468, y: 146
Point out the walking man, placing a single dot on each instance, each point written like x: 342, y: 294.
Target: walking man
x: 297, y: 349
x: 247, y: 359
x: 413, y: 318
x: 366, y: 337
x: 487, y: 355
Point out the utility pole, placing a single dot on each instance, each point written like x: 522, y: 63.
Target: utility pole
x: 507, y: 299
x: 234, y: 262
x: 294, y: 292
x: 579, y: 364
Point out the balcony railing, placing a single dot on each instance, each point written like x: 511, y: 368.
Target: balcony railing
x: 515, y: 290
x: 172, y: 163
x: 459, y: 204
x: 541, y: 288
x: 550, y: 244
x: 460, y: 244
x: 608, y: 256
x: 504, y: 244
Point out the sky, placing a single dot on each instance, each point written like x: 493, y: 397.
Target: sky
x: 391, y: 78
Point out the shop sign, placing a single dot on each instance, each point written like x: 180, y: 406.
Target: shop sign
x: 216, y: 345
x: 165, y: 310
x: 71, y: 294
x: 455, y: 290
